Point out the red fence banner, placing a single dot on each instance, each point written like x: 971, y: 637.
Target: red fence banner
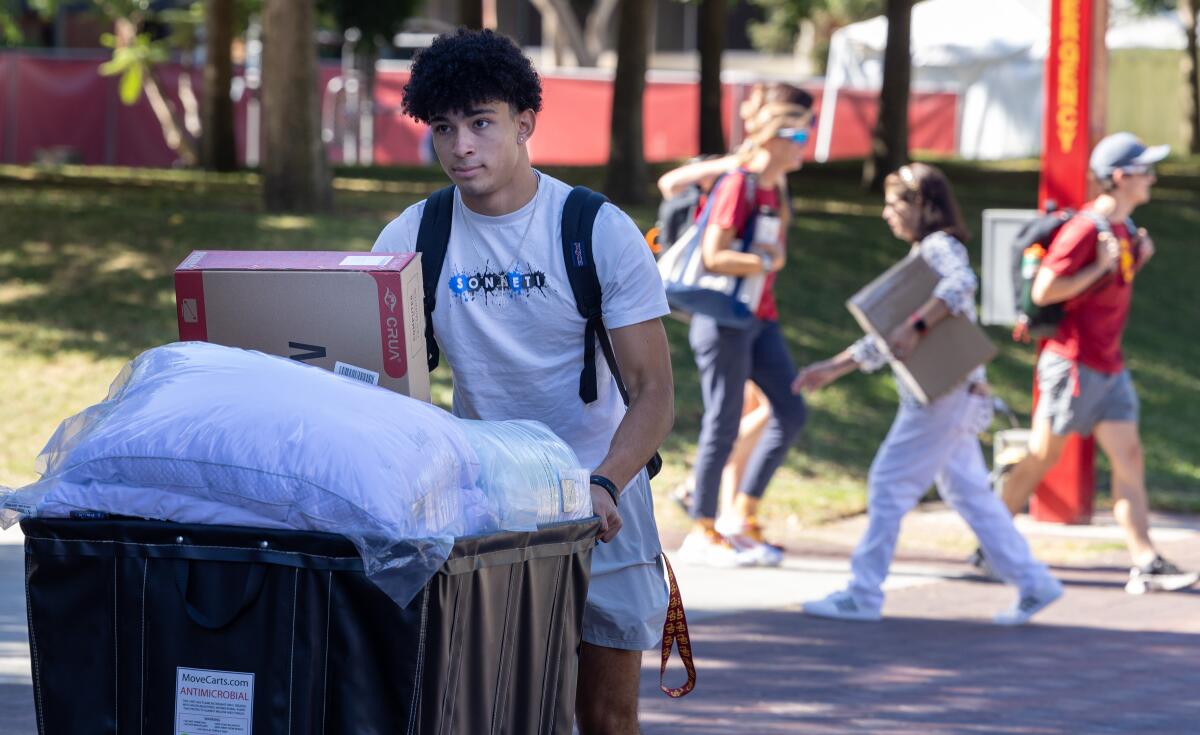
x: 62, y: 107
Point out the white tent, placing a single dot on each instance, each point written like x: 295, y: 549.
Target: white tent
x: 1129, y: 30
x: 991, y: 53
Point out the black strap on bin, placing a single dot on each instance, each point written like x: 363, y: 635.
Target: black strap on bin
x: 254, y: 585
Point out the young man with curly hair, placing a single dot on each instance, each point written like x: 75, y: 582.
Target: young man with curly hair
x: 506, y: 318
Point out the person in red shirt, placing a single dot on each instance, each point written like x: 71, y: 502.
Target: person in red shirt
x: 737, y: 512
x: 747, y: 203
x: 1082, y: 380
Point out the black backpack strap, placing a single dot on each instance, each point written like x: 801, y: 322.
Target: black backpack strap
x: 578, y: 217
x: 1099, y: 221
x: 432, y: 239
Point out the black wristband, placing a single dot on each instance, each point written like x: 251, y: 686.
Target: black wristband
x: 609, y: 486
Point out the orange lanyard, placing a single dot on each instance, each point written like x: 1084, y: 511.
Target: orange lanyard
x: 675, y: 633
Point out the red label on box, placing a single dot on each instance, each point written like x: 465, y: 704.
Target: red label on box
x: 189, y: 306
x: 391, y: 324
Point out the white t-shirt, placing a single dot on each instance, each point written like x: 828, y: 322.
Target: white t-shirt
x: 506, y: 317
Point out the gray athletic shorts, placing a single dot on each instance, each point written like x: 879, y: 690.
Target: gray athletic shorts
x: 627, y: 598
x: 1075, y: 397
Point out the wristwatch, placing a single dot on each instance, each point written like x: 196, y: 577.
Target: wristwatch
x: 609, y: 486
x: 920, y: 326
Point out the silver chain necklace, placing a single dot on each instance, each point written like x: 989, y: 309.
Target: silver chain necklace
x: 473, y: 234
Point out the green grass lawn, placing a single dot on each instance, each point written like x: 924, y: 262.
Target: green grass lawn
x: 86, y: 257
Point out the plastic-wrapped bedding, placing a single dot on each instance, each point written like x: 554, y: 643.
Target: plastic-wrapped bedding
x: 530, y: 475
x: 198, y: 433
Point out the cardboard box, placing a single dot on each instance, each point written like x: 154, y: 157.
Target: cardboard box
x: 950, y: 350
x: 357, y: 314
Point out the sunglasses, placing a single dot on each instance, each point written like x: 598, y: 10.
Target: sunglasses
x: 795, y: 135
x: 1139, y: 170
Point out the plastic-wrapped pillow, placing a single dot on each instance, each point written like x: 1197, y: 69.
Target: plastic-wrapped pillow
x: 192, y: 428
x: 530, y: 474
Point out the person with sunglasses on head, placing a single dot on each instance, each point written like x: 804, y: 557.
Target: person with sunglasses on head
x: 1084, y: 386
x: 737, y: 512
x: 929, y: 444
x: 748, y: 201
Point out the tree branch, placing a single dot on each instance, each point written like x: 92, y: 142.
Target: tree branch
x: 561, y: 10
x: 596, y: 34
x: 177, y: 137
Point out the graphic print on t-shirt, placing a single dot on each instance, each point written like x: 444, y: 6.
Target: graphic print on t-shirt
x: 489, y: 287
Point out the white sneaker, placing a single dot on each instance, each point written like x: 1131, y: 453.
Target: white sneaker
x: 728, y: 525
x: 1159, y: 575
x: 1030, y: 603
x: 710, y: 549
x: 842, y: 606
x: 755, y: 553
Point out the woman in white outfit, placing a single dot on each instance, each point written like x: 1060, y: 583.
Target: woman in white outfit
x: 937, y: 443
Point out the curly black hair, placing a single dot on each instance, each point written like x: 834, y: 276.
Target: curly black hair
x: 461, y: 70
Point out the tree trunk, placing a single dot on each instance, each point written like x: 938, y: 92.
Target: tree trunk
x: 365, y: 61
x: 627, y: 178
x: 295, y: 173
x: 218, y: 147
x: 889, y: 140
x: 470, y: 13
x: 1187, y: 12
x: 711, y: 42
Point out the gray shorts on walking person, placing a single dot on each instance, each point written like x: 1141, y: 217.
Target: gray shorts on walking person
x: 1075, y: 398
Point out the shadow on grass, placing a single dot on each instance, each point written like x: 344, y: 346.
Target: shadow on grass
x: 86, y: 264
x: 86, y: 259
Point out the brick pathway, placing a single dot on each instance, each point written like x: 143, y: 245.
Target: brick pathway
x: 1098, y: 661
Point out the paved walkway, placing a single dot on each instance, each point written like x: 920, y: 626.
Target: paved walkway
x: 1099, y: 661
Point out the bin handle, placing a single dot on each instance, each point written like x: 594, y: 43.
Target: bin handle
x: 254, y: 583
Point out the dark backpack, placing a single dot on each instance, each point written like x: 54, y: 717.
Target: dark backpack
x: 675, y: 215
x: 578, y: 216
x: 1041, y: 322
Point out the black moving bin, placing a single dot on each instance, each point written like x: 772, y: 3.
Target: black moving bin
x: 130, y: 621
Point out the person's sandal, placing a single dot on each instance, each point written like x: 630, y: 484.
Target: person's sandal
x: 753, y: 530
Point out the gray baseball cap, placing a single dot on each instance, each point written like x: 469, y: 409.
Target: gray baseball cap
x: 1121, y: 150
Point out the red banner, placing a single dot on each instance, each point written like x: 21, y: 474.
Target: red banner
x: 1065, y: 127
x: 1066, y: 492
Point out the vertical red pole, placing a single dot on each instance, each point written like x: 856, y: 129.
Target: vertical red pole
x: 1073, y: 121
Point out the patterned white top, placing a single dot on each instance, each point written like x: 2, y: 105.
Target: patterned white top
x: 956, y: 289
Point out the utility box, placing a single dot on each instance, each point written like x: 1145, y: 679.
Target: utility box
x: 1000, y: 283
